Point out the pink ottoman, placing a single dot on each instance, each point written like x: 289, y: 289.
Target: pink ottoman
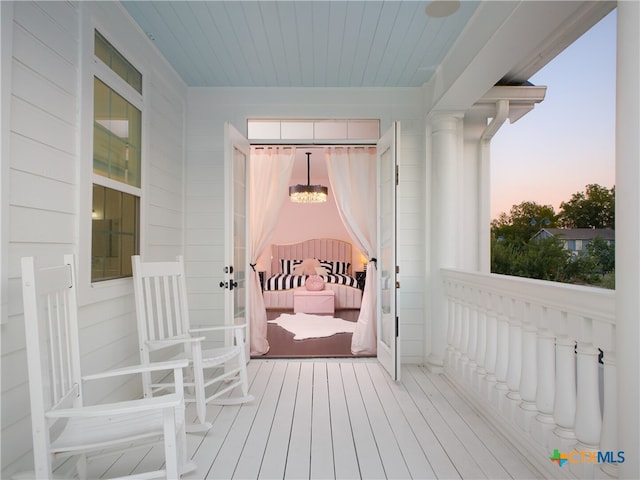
x: 306, y: 301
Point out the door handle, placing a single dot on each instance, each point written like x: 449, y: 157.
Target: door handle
x: 230, y: 285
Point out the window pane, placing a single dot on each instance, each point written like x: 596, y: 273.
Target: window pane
x: 114, y: 59
x: 117, y: 136
x: 115, y: 220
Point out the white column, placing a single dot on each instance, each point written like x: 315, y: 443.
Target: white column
x: 628, y: 236
x: 445, y: 142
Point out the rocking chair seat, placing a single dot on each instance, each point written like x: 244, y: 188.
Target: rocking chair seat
x: 86, y: 429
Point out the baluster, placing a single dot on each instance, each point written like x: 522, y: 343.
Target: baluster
x: 450, y: 324
x: 588, y: 422
x: 529, y: 374
x: 457, y: 332
x: 564, y: 409
x: 473, y: 334
x: 502, y: 355
x: 481, y: 342
x: 491, y: 351
x: 514, y: 367
x: 609, y: 432
x: 464, y: 333
x: 545, y: 384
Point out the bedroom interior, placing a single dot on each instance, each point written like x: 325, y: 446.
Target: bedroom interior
x: 306, y: 231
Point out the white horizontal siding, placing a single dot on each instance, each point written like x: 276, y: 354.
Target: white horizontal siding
x: 43, y: 171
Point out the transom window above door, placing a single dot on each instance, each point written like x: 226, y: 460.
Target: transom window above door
x: 313, y: 130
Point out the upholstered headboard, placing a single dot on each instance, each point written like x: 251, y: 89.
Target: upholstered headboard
x: 320, y: 248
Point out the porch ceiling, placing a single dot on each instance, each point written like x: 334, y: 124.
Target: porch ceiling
x: 301, y: 43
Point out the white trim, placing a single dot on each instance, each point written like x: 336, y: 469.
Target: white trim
x: 90, y: 67
x: 6, y: 49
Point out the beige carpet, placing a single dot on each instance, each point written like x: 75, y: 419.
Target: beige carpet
x: 305, y: 325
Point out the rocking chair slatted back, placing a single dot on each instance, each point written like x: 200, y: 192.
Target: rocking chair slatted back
x: 163, y: 309
x: 163, y: 323
x: 52, y: 350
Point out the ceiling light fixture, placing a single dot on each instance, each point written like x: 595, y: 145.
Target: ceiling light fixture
x: 442, y: 8
x: 308, y: 193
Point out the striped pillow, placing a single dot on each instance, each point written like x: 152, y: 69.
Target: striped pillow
x: 288, y: 266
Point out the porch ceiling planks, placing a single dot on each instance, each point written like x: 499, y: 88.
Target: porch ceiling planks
x: 342, y: 419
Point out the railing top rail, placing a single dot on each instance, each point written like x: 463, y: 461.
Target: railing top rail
x: 588, y: 302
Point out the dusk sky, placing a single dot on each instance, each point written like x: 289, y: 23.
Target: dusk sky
x: 567, y: 141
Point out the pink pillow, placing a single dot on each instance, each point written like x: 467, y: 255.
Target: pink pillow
x: 314, y: 283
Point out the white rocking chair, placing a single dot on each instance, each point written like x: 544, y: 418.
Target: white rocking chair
x: 62, y: 426
x: 163, y: 322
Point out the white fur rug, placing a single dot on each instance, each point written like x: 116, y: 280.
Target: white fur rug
x: 305, y: 325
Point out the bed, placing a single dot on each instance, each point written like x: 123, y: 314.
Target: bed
x: 280, y: 284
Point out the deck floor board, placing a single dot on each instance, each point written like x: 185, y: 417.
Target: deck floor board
x: 342, y: 419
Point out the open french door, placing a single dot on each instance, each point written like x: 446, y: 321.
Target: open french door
x: 236, y: 162
x: 387, y: 270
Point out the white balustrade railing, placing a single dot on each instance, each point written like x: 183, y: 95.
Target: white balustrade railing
x: 529, y: 351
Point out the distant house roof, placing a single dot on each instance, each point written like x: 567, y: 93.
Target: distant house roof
x: 577, y: 233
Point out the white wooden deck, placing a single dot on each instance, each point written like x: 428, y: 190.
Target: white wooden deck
x: 343, y: 419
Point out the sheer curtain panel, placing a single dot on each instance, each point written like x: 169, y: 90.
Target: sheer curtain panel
x: 269, y: 174
x: 352, y: 175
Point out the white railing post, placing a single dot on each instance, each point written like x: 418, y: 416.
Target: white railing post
x: 564, y: 405
x: 529, y: 372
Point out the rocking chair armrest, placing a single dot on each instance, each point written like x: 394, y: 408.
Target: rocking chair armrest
x: 169, y: 342
x: 130, y: 370
x: 170, y: 400
x: 218, y: 328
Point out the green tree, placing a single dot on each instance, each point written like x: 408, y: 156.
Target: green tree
x: 593, y: 208
x: 523, y: 222
x: 603, y: 254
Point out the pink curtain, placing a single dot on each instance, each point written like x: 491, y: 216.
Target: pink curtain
x: 352, y: 174
x: 269, y: 174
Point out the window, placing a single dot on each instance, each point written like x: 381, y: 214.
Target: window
x: 117, y: 141
x: 346, y: 131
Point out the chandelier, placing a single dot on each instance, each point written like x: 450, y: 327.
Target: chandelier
x: 308, y: 193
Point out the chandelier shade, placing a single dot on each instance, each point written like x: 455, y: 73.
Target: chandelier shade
x: 308, y: 193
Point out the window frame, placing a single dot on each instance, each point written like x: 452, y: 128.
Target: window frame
x: 93, y: 67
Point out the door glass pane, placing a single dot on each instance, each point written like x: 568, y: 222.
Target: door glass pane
x: 387, y: 267
x: 240, y: 233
